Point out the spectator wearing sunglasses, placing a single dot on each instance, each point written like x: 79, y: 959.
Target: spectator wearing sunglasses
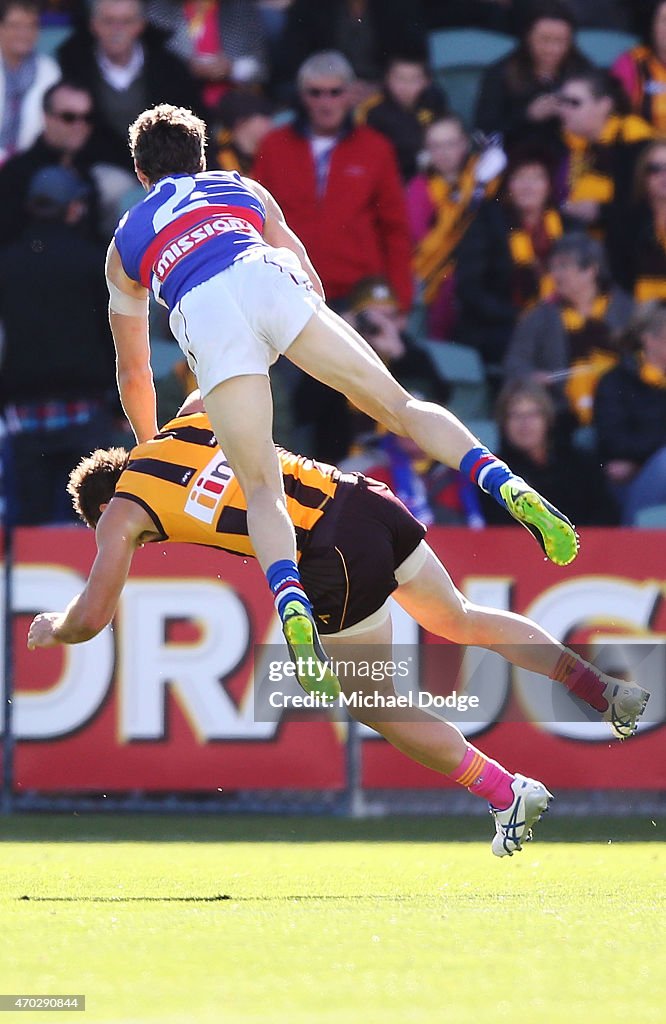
x: 339, y: 185
x: 601, y: 142
x: 25, y: 75
x: 64, y: 141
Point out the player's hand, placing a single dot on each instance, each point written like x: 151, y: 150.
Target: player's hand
x: 42, y: 632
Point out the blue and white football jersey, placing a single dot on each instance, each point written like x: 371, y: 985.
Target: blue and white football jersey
x: 186, y: 230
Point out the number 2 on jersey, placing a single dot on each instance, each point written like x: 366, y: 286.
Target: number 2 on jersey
x: 177, y: 203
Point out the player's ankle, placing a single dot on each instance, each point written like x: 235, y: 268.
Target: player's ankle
x: 581, y: 679
x: 485, y: 778
x: 486, y: 470
x: 285, y: 582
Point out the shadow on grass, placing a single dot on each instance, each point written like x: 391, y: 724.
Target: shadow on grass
x: 96, y: 828
x: 225, y: 898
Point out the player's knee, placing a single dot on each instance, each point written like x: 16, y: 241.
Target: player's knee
x: 259, y: 481
x: 407, y: 412
x: 397, y: 413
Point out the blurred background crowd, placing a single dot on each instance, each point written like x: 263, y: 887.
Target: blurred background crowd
x: 481, y: 185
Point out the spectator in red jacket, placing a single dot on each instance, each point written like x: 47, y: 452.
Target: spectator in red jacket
x: 339, y: 185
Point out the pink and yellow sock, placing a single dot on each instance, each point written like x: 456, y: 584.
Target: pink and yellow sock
x: 485, y: 778
x: 580, y: 679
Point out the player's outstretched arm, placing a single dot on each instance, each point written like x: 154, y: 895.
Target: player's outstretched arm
x: 278, y: 233
x: 91, y: 610
x: 128, y: 316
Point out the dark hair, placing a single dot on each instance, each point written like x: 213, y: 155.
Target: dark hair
x: 168, y: 140
x: 26, y: 5
x: 527, y: 155
x: 587, y: 252
x: 553, y: 10
x: 417, y: 55
x: 519, y: 71
x: 602, y: 84
x: 92, y: 483
x: 63, y: 83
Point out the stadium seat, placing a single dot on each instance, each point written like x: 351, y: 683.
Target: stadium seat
x: 651, y: 518
x: 462, y: 366
x: 604, y: 45
x: 458, y: 363
x: 585, y: 439
x: 458, y: 57
x: 51, y: 37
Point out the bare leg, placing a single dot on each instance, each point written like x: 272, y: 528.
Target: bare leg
x: 241, y: 413
x: 439, y: 745
x: 330, y: 350
x: 432, y: 599
x: 436, y: 603
x: 420, y: 736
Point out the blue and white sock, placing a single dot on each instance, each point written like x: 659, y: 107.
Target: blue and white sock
x: 486, y: 470
x: 285, y: 582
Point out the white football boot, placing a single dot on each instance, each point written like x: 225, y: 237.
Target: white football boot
x: 626, y: 704
x: 514, y: 825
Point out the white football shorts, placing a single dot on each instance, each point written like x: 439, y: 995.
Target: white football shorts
x: 239, y: 321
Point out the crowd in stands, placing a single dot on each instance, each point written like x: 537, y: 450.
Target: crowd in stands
x: 503, y: 249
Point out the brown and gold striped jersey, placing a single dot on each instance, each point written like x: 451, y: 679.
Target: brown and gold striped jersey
x: 185, y: 484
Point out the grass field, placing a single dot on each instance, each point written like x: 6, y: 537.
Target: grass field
x: 324, y: 920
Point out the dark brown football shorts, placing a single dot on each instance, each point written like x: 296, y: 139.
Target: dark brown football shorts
x: 349, y: 560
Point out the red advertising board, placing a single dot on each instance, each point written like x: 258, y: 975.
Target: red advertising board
x: 161, y: 701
